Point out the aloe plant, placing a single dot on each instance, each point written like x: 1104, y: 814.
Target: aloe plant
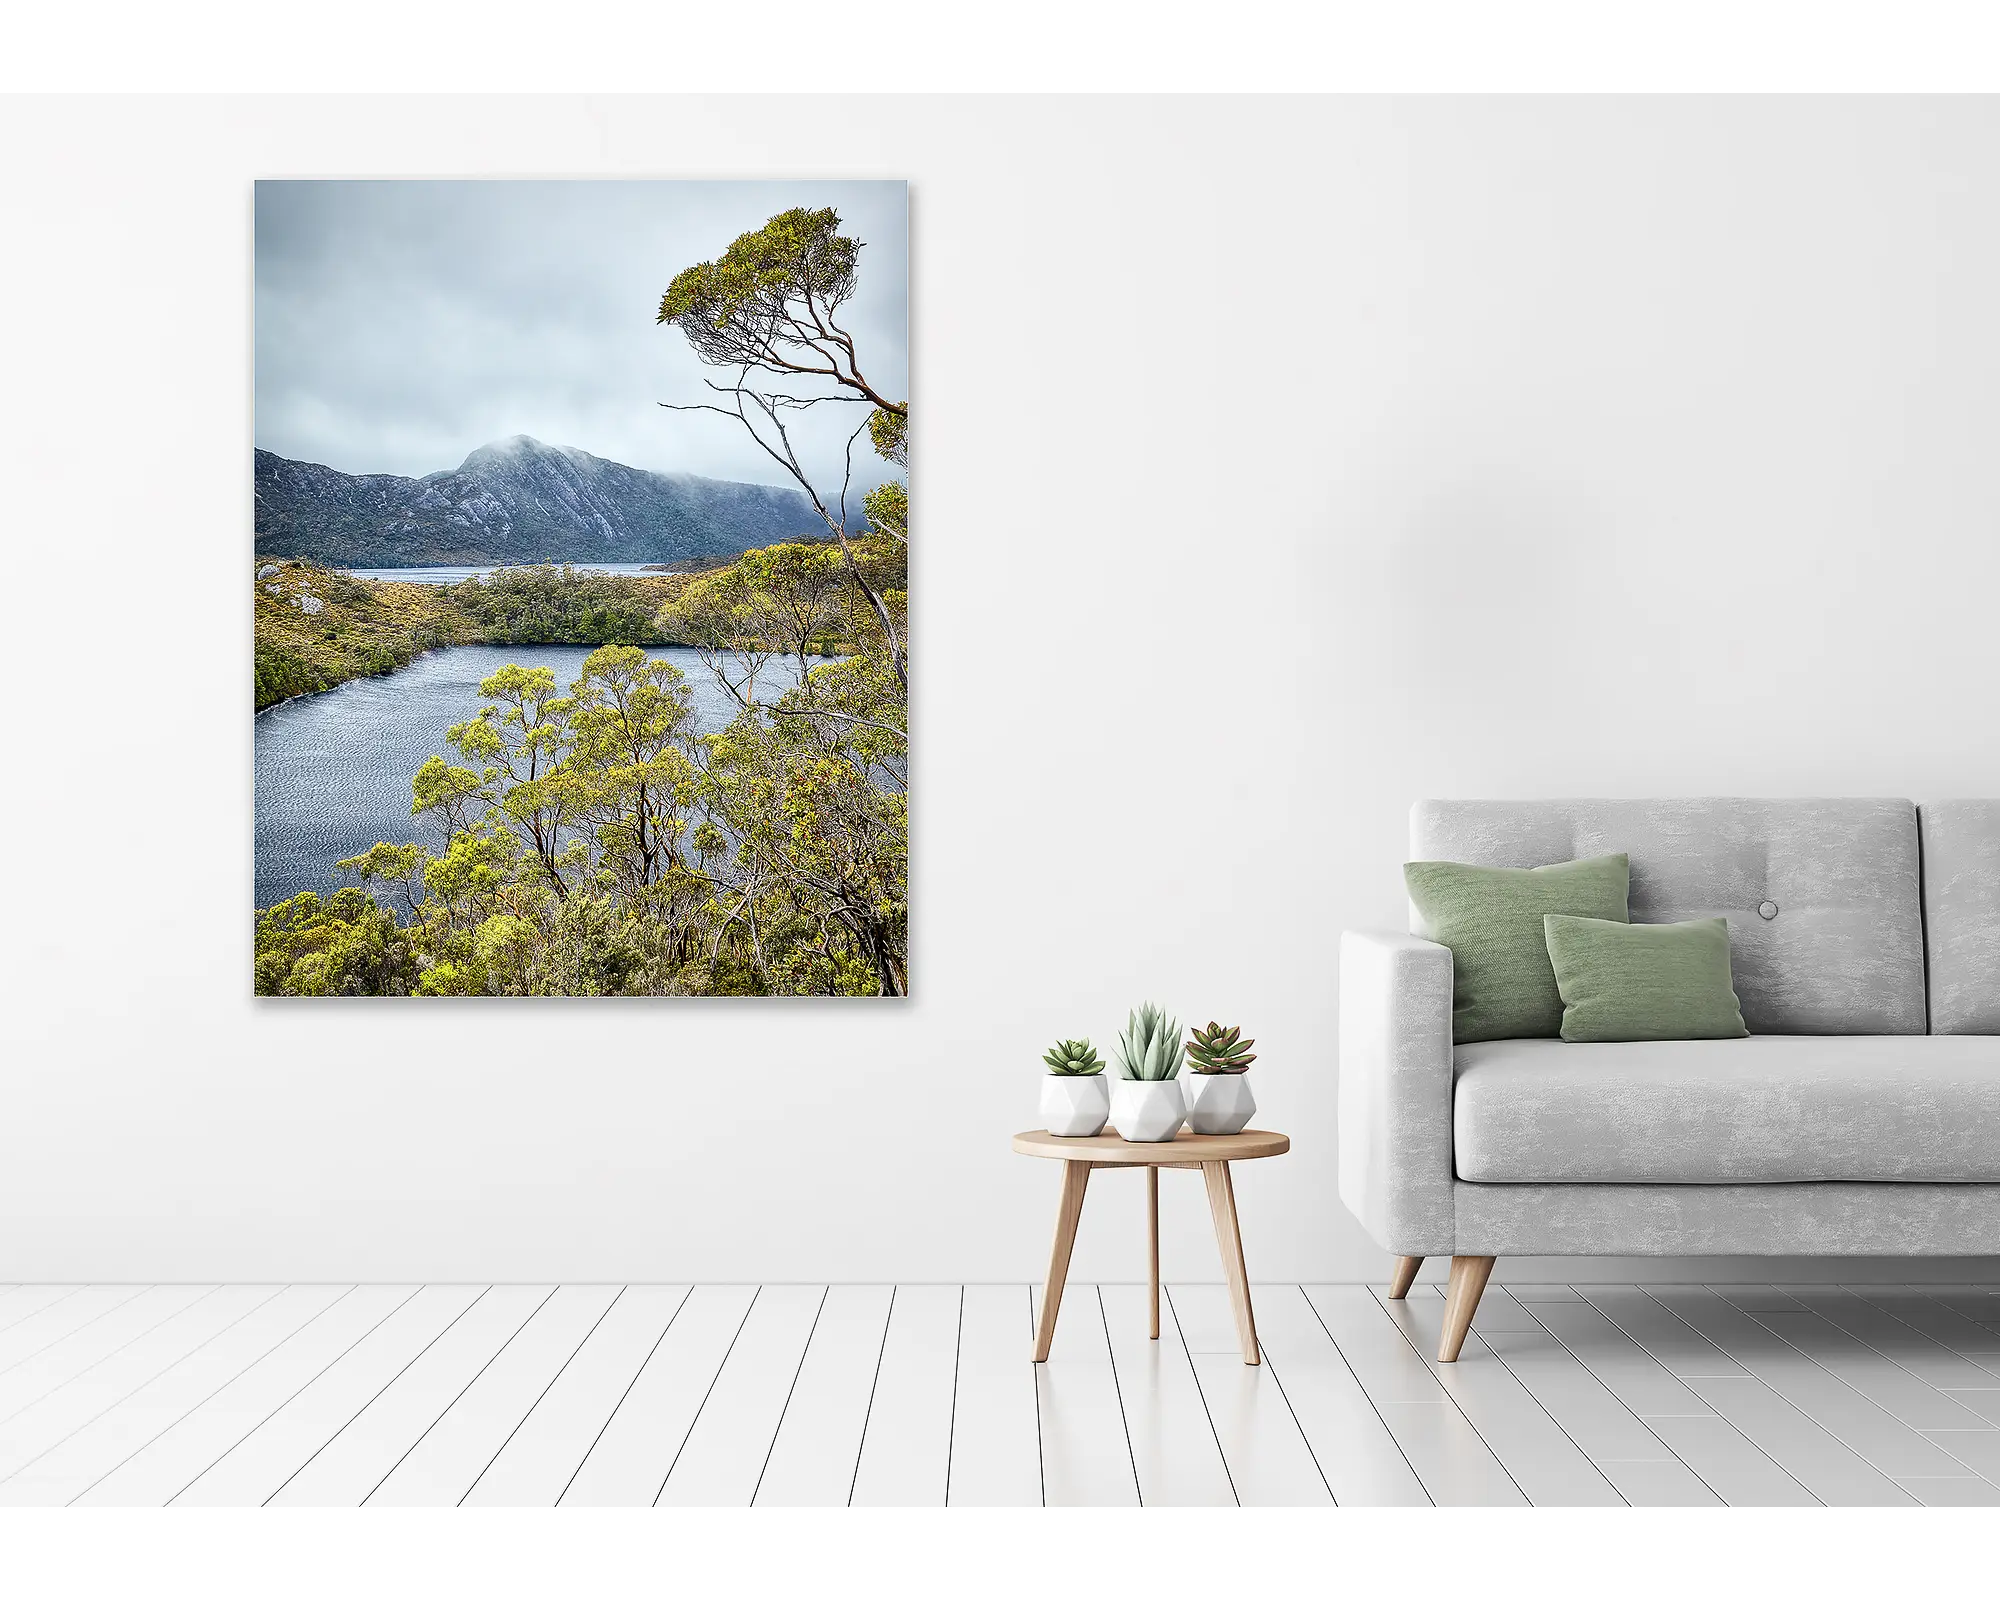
x: 1150, y: 1047
x: 1218, y: 1049
x: 1074, y: 1058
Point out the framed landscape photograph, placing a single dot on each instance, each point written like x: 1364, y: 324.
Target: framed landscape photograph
x: 581, y: 626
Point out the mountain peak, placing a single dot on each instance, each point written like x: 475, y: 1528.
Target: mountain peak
x: 515, y: 444
x: 516, y: 500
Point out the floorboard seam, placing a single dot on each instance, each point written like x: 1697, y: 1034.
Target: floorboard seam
x: 1912, y: 1373
x: 1888, y: 1310
x: 454, y: 1400
x: 626, y: 1391
x: 377, y: 1395
x: 1783, y: 1399
x: 1930, y: 1291
x: 301, y: 1389
x: 151, y: 1327
x: 1711, y: 1412
x: 141, y: 1388
x: 951, y: 1434
x: 784, y: 1410
x: 1812, y: 1360
x: 1118, y: 1392
x: 1362, y: 1389
x: 1867, y: 1345
x: 1452, y: 1400
x: 1187, y: 1355
x: 874, y: 1383
x: 204, y: 1400
x: 1291, y: 1411
x: 620, y: 1295
x: 91, y: 1322
x: 714, y: 1378
x: 1929, y: 1338
x: 27, y: 1315
x: 1553, y: 1418
x: 1041, y: 1459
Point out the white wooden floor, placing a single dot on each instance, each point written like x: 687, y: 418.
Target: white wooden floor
x: 924, y: 1395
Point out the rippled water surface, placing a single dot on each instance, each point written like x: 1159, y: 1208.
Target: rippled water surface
x: 334, y: 769
x: 436, y: 575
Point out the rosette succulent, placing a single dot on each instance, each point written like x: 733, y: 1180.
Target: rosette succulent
x: 1074, y: 1058
x: 1219, y: 1049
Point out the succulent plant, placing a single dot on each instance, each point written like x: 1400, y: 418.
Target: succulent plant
x: 1074, y: 1058
x: 1219, y: 1049
x: 1150, y: 1047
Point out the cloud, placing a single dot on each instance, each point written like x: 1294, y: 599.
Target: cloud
x: 402, y: 324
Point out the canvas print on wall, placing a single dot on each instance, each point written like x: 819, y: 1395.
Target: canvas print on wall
x: 581, y: 646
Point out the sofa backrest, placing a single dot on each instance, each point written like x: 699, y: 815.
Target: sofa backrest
x: 1962, y: 908
x: 1825, y: 914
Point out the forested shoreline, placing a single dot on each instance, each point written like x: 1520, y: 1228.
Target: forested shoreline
x: 583, y: 839
x: 319, y: 627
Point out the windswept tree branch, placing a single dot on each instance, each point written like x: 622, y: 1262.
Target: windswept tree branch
x: 768, y: 302
x: 821, y: 711
x: 782, y: 452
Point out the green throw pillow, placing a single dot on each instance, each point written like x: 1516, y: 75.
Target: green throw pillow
x: 1643, y: 980
x: 1502, y: 986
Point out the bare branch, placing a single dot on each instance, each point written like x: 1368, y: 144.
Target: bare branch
x: 821, y: 711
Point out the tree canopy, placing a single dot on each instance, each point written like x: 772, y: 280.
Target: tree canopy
x: 768, y: 302
x: 587, y: 841
x: 767, y: 306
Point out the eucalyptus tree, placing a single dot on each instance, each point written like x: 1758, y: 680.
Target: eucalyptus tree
x: 784, y: 599
x: 631, y: 769
x: 520, y: 740
x: 766, y: 312
x: 807, y: 832
x: 718, y: 615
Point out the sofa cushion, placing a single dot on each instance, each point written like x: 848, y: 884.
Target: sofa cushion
x: 1643, y: 980
x: 1768, y: 1109
x: 1962, y: 907
x: 1821, y: 896
x: 1490, y: 919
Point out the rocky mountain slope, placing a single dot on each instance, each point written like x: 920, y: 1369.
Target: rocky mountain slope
x: 516, y: 501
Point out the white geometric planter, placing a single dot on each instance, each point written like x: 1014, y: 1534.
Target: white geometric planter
x: 1219, y: 1102
x: 1075, y: 1108
x: 1147, y: 1112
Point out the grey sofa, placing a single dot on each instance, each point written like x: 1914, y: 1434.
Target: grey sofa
x: 1862, y: 1116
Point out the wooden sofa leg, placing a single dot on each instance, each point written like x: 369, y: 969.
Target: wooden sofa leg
x: 1406, y: 1274
x: 1468, y: 1283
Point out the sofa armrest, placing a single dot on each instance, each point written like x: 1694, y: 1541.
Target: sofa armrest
x: 1395, y: 1090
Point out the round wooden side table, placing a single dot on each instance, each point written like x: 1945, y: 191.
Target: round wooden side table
x: 1211, y: 1153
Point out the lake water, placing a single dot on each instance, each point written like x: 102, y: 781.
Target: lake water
x: 334, y: 769
x: 441, y: 575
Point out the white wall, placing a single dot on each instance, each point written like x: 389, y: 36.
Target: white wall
x: 1351, y: 451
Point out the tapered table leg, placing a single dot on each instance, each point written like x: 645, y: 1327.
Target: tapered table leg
x: 1076, y: 1177
x: 1153, y: 1250
x: 1229, y: 1240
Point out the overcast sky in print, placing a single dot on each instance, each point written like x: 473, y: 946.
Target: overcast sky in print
x: 402, y: 324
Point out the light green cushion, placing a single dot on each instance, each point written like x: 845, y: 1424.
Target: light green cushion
x: 1502, y: 986
x: 1643, y: 980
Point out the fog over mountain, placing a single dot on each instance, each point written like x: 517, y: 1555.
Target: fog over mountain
x: 517, y: 501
